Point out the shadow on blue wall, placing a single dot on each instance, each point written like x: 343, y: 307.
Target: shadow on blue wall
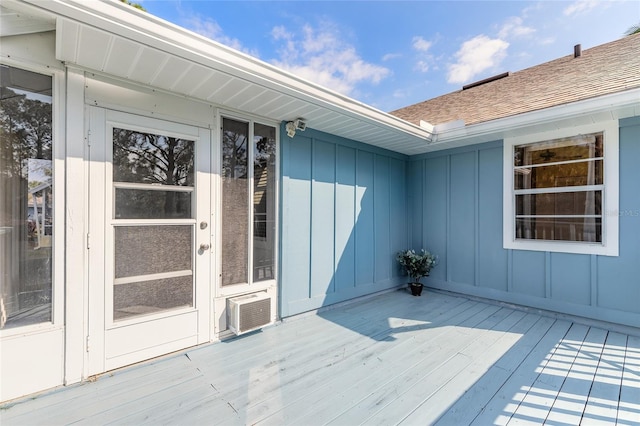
x: 343, y: 219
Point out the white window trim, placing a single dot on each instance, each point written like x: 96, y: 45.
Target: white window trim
x: 610, y: 215
x: 251, y: 286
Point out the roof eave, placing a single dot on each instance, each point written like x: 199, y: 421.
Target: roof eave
x: 116, y: 18
x: 603, y: 108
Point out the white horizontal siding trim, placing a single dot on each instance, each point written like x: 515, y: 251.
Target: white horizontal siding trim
x: 152, y: 277
x: 152, y: 187
x: 560, y: 189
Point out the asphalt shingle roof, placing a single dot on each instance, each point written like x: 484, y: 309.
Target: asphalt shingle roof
x: 605, y: 69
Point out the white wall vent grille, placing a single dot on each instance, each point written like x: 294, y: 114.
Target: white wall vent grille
x: 250, y: 312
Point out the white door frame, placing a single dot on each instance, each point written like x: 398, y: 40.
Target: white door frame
x: 187, y: 327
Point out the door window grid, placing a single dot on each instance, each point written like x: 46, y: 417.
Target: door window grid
x: 153, y: 207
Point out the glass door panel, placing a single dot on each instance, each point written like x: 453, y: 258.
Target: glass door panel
x: 264, y: 202
x: 26, y: 198
x: 235, y: 202
x: 153, y: 269
x: 153, y: 185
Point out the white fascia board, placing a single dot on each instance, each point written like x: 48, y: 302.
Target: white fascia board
x: 125, y: 21
x: 607, y: 107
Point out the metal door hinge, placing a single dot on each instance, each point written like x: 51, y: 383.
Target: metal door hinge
x: 88, y: 241
x: 88, y: 340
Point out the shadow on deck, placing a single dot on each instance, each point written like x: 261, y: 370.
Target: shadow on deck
x: 391, y: 359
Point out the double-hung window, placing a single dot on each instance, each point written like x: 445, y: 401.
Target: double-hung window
x: 561, y: 191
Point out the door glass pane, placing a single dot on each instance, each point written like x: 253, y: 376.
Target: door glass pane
x: 153, y: 269
x: 153, y: 296
x: 264, y: 218
x: 144, y: 250
x: 235, y: 202
x: 155, y: 161
x: 26, y: 198
x: 144, y: 204
x: 150, y: 158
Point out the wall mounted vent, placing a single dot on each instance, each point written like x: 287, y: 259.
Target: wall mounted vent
x: 249, y: 312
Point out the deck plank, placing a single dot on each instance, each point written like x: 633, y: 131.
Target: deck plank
x: 602, y: 403
x: 506, y: 400
x: 479, y: 395
x: 390, y: 359
x: 314, y: 356
x: 475, y: 376
x: 428, y: 400
x: 570, y: 403
x: 392, y: 402
x: 355, y: 381
x: 629, y: 405
x: 541, y: 395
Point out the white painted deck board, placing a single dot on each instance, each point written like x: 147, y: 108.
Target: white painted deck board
x: 571, y: 400
x: 602, y: 403
x: 508, y: 397
x: 495, y: 377
x: 352, y: 383
x: 628, y: 406
x: 408, y: 389
x: 392, y: 359
x: 541, y: 395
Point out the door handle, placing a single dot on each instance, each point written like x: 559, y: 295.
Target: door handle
x: 205, y: 247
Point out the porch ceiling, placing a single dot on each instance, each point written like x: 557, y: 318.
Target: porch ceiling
x: 113, y: 39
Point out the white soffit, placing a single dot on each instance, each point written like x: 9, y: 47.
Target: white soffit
x: 14, y: 23
x: 113, y: 39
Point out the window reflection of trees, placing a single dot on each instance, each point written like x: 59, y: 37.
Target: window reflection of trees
x: 26, y: 198
x: 143, y: 158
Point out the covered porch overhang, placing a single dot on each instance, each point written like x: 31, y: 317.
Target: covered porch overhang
x: 101, y: 37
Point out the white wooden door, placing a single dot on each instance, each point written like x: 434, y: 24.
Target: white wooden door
x: 150, y: 238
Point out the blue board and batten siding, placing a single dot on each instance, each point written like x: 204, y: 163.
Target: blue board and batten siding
x: 348, y: 208
x: 343, y: 219
x: 456, y: 199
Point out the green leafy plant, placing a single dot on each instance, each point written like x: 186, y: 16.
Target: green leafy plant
x: 417, y: 265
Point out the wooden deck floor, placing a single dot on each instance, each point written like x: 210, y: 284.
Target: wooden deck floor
x: 392, y: 359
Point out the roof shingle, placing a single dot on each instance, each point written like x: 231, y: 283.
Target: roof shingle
x: 605, y: 69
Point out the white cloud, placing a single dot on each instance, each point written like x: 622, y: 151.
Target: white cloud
x: 420, y: 44
x: 390, y: 56
x: 476, y: 55
x: 424, y: 60
x: 513, y: 27
x: 324, y: 57
x: 422, y: 66
x: 581, y: 6
x: 209, y: 28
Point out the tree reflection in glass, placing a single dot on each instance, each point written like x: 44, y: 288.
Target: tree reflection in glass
x: 155, y: 160
x: 26, y: 198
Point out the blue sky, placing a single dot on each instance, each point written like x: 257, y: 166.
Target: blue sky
x: 391, y: 54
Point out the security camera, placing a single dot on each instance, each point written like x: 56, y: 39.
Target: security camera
x: 300, y: 124
x: 291, y: 129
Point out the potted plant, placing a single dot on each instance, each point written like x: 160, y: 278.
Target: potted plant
x: 417, y: 265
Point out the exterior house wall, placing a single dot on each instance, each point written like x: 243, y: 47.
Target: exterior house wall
x: 343, y: 219
x: 457, y: 214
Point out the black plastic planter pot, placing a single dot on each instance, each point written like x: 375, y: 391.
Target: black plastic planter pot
x: 416, y: 289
